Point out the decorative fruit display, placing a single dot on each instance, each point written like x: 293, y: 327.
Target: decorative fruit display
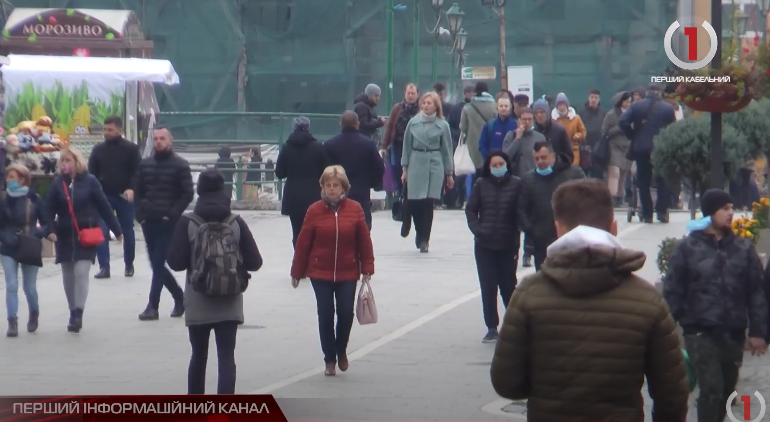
x: 81, y: 120
x: 38, y: 111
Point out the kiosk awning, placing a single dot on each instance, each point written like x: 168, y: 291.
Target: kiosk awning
x: 62, y: 68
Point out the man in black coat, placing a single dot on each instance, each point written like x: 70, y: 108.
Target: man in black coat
x: 364, y: 106
x: 535, y: 211
x: 358, y: 155
x: 114, y: 163
x: 164, y: 189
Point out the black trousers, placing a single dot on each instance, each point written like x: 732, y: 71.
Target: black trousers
x: 334, y: 344
x: 296, y: 219
x: 529, y: 246
x: 539, y: 251
x: 157, y: 237
x: 422, y: 216
x: 224, y: 333
x: 645, y: 177
x: 497, y: 271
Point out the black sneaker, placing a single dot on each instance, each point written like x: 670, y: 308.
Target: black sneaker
x: 72, y: 325
x: 129, y: 271
x: 103, y: 273
x: 149, y: 314
x: 423, y: 247
x: 178, y: 310
x: 526, y: 261
x: 663, y: 218
x: 491, y: 336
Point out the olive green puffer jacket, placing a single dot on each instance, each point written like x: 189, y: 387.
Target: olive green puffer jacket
x: 579, y: 338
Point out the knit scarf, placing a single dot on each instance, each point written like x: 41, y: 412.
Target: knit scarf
x: 407, y: 112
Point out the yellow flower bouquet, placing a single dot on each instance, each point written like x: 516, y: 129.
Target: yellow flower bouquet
x: 747, y: 228
x: 761, y: 212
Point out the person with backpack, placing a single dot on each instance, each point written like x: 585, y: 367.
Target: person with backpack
x: 334, y: 250
x: 496, y: 129
x: 218, y: 251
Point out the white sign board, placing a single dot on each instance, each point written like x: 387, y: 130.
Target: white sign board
x: 521, y: 81
x: 479, y: 73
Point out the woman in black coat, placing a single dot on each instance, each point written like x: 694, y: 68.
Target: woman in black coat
x: 301, y: 162
x: 21, y: 212
x: 491, y: 214
x: 90, y: 205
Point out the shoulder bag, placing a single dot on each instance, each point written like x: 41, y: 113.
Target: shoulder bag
x: 462, y: 159
x: 630, y: 153
x: 366, y: 309
x: 29, y: 249
x: 88, y: 237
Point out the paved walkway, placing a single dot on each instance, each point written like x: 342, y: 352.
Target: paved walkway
x: 423, y: 361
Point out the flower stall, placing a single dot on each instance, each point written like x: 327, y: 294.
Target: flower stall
x: 51, y: 102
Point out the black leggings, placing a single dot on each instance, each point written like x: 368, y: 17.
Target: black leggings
x: 422, y: 215
x: 224, y: 333
x: 296, y: 219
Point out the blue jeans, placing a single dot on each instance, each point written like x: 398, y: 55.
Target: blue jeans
x: 395, y: 164
x: 29, y: 277
x: 157, y: 235
x: 334, y: 345
x: 125, y: 213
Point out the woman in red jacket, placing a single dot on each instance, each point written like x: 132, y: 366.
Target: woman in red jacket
x: 334, y: 249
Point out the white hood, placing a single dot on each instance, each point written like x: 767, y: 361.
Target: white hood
x: 583, y: 236
x: 570, y: 113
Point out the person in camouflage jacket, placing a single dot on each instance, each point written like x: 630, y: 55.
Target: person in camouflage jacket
x: 714, y: 287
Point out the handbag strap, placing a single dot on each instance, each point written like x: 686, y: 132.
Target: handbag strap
x: 69, y: 204
x: 479, y: 113
x: 26, y: 224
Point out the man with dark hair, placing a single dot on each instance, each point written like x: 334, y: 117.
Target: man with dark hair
x: 358, y: 155
x: 535, y: 212
x: 580, y: 336
x: 446, y: 107
x: 456, y: 113
x: 520, y: 102
x: 519, y: 144
x: 715, y: 289
x: 164, y: 189
x: 641, y: 123
x: 115, y: 163
x: 593, y: 118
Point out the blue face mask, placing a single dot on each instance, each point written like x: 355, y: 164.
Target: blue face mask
x: 544, y: 172
x: 499, y: 171
x: 700, y: 224
x: 13, y: 185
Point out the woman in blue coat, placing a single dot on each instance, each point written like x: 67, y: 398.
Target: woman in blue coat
x: 21, y: 212
x: 89, y: 204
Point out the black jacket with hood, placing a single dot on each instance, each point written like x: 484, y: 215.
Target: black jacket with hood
x: 301, y: 162
x: 592, y: 119
x: 556, y: 135
x: 535, y: 212
x: 454, y: 117
x: 367, y: 115
x: 226, y: 166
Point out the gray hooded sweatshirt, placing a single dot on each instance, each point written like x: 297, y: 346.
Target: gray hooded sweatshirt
x: 521, y: 152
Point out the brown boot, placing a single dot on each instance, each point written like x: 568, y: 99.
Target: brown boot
x: 33, y: 322
x: 331, y: 369
x: 13, y: 327
x: 343, y: 363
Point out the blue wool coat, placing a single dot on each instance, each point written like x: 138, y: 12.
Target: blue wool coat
x: 14, y: 219
x: 89, y: 204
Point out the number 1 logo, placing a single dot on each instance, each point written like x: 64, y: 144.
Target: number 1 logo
x: 746, y: 400
x: 691, y: 32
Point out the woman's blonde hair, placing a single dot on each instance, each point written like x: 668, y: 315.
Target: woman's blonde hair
x: 22, y: 172
x: 77, y: 157
x: 436, y: 101
x: 336, y: 172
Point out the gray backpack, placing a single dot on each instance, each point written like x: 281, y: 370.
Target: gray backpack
x: 217, y: 263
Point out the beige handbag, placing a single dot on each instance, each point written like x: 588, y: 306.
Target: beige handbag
x: 366, y: 310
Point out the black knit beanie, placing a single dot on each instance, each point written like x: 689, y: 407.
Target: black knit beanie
x: 713, y: 200
x: 210, y: 181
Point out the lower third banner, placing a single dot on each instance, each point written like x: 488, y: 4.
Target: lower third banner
x: 141, y: 408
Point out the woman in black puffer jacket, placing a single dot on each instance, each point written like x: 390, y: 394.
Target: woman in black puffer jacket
x: 491, y: 214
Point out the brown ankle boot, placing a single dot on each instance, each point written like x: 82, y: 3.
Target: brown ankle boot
x: 331, y: 369
x: 13, y: 327
x: 343, y: 363
x: 33, y: 322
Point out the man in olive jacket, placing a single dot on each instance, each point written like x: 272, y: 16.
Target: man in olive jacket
x: 580, y: 336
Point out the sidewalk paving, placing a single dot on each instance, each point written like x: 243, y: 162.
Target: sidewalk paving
x: 423, y: 361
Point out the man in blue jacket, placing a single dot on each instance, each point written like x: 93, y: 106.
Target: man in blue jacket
x: 495, y: 130
x: 358, y: 155
x: 640, y: 123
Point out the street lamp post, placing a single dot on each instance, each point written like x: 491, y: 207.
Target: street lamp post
x: 416, y: 43
x: 389, y: 56
x: 716, y: 118
x: 458, y: 46
x: 454, y: 17
x: 437, y: 5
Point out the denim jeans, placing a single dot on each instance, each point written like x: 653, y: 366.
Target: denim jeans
x: 497, y: 271
x: 224, y: 333
x: 157, y: 235
x: 29, y: 279
x: 125, y: 213
x: 334, y: 345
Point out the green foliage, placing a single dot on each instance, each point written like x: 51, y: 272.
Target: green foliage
x: 753, y: 123
x: 665, y: 249
x: 60, y: 104
x: 683, y: 150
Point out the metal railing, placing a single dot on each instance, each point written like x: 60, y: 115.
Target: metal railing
x: 239, y: 180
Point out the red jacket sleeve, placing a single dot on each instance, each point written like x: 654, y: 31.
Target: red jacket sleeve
x: 365, y: 248
x: 301, y: 261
